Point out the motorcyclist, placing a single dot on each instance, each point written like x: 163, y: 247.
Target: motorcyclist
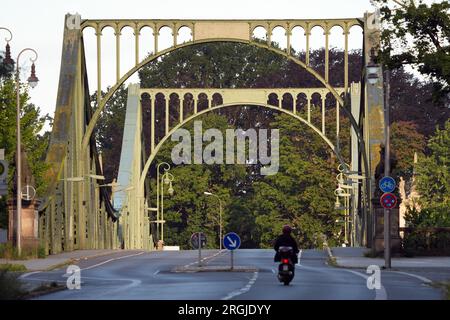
x: 286, y: 240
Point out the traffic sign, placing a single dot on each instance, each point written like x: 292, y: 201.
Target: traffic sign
x: 231, y: 241
x: 194, y: 240
x: 28, y: 193
x: 387, y: 184
x: 3, y: 169
x: 388, y: 200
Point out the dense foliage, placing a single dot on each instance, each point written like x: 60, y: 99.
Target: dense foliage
x: 33, y: 141
x: 418, y: 35
x: 301, y: 193
x: 433, y: 183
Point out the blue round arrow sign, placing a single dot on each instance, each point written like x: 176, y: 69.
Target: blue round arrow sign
x: 387, y: 184
x: 231, y: 241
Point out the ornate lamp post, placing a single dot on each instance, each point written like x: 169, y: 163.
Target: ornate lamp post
x: 166, y: 179
x: 345, y: 191
x: 7, y: 61
x: 220, y: 216
x: 32, y: 81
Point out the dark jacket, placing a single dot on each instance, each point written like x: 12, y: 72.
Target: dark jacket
x: 285, y: 240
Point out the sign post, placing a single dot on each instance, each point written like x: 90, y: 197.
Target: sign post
x: 198, y: 240
x: 199, y: 249
x: 388, y: 201
x: 231, y: 242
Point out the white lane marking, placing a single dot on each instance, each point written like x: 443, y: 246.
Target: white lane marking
x: 104, y: 262
x: 134, y: 283
x: 273, y: 271
x: 299, y: 257
x: 156, y: 272
x: 29, y: 274
x: 243, y: 290
x: 426, y: 280
x: 380, y: 294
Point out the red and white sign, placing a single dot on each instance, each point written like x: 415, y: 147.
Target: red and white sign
x: 388, y: 200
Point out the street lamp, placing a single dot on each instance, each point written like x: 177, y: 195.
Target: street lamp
x: 220, y: 216
x: 32, y: 81
x: 7, y: 61
x: 166, y: 179
x: 345, y: 191
x: 373, y: 68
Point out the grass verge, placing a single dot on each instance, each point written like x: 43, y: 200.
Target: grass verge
x: 445, y: 286
x: 8, y: 251
x: 12, y: 267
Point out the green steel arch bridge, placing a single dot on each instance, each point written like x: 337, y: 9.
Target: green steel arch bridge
x: 78, y: 214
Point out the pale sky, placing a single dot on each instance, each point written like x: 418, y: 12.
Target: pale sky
x: 39, y: 24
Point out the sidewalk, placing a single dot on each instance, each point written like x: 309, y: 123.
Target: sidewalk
x: 58, y: 259
x: 354, y: 258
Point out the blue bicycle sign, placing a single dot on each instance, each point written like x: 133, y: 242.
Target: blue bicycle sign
x: 387, y: 184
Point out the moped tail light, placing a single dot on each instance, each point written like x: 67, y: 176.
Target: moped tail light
x: 285, y: 261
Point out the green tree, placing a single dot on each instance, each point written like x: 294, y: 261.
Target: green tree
x: 189, y: 210
x: 405, y: 141
x: 301, y: 194
x: 433, y: 181
x: 418, y: 35
x: 109, y: 132
x: 34, y: 141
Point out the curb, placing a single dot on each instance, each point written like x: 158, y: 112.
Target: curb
x: 35, y: 294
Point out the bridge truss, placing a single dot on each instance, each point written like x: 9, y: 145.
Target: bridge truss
x: 77, y: 212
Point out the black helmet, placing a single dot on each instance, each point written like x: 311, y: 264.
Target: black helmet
x: 287, y: 229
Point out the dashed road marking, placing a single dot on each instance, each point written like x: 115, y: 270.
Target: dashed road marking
x: 243, y: 290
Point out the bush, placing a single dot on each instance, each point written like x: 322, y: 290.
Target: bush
x: 426, y: 238
x: 41, y: 252
x: 10, y: 286
x: 13, y: 267
x: 8, y: 251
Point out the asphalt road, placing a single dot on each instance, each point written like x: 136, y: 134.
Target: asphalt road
x: 144, y: 275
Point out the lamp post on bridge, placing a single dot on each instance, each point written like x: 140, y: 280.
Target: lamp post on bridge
x: 166, y: 179
x: 32, y: 82
x: 345, y: 191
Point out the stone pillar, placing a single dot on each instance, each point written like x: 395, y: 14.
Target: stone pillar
x: 29, y: 225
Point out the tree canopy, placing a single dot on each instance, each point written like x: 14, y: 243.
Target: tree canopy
x: 418, y: 35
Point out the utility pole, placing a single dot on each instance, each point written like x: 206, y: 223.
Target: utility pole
x: 387, y: 169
